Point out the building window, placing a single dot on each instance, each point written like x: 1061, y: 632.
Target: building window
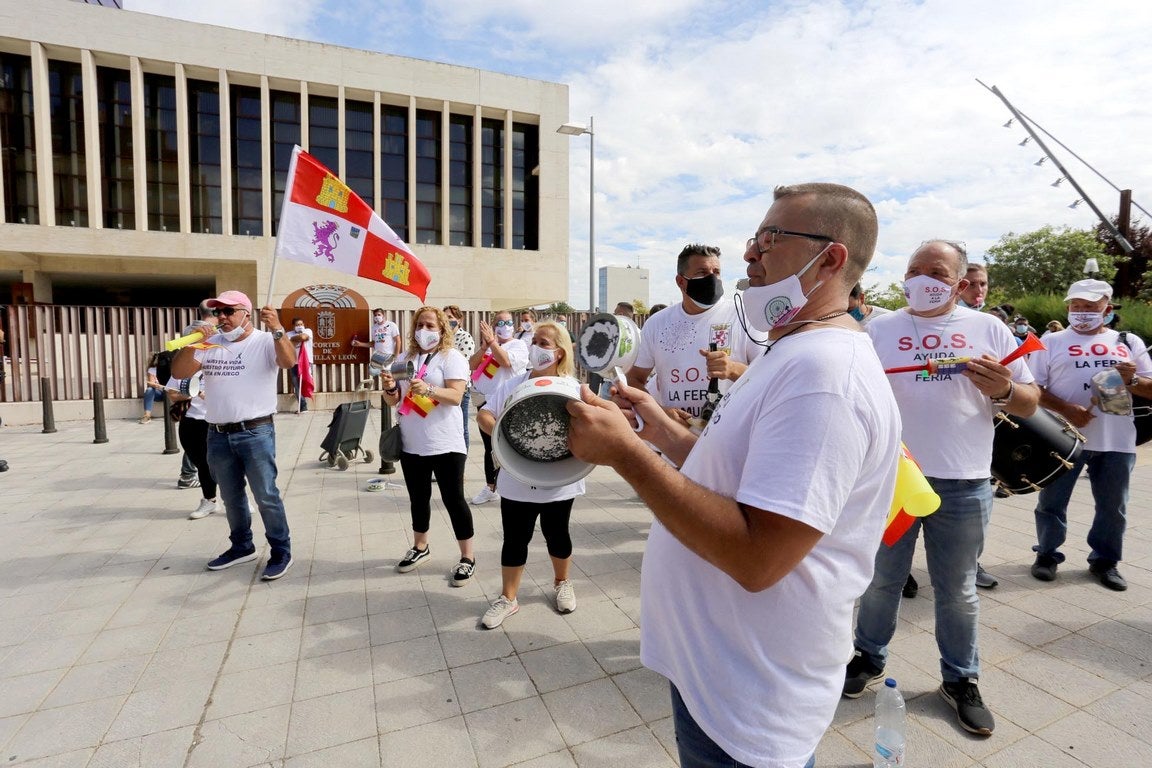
x: 247, y: 165
x: 358, y: 149
x: 285, y: 136
x: 204, y: 156
x: 459, y: 180
x: 525, y: 187
x: 162, y: 167
x: 492, y: 184
x: 66, y: 110
x: 394, y: 168
x: 17, y: 140
x: 114, y: 87
x: 427, y: 177
x: 323, y: 131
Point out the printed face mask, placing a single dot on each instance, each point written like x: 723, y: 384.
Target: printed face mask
x: 925, y: 294
x: 426, y: 338
x: 704, y: 291
x: 771, y: 306
x: 1085, y: 321
x: 540, y: 358
x: 525, y: 325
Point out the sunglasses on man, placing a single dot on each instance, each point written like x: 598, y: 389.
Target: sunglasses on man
x: 226, y: 311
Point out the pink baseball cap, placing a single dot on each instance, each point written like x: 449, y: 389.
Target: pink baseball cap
x: 230, y: 299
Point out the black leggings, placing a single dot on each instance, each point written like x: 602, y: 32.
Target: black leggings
x: 193, y: 434
x: 490, y: 470
x: 519, y: 521
x: 449, y: 471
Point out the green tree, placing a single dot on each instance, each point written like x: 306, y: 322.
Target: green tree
x: 1046, y: 260
x: 560, y: 308
x: 1133, y: 276
x: 891, y: 297
x: 639, y: 307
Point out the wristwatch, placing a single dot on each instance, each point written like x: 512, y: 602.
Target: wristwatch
x: 277, y: 335
x: 1004, y: 400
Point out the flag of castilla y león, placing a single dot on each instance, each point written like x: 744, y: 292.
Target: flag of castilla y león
x: 325, y: 223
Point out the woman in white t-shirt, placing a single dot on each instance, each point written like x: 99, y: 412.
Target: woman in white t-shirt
x: 433, y: 443
x: 520, y: 503
x: 498, y: 357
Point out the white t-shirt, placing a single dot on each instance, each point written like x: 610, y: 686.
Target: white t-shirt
x: 670, y: 345
x: 384, y: 337
x: 1066, y: 369
x: 509, y: 486
x: 240, y: 377
x: 810, y: 433
x: 517, y: 352
x: 947, y: 420
x: 306, y: 344
x: 438, y: 432
x: 875, y: 313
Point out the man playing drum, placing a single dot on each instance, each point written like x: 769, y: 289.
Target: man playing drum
x: 1064, y: 372
x: 947, y: 425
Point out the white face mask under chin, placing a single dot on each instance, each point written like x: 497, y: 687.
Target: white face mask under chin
x: 233, y: 334
x: 770, y: 306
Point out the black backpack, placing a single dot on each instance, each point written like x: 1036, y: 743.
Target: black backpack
x: 1141, y: 407
x: 164, y: 366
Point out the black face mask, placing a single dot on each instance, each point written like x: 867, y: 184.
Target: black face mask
x: 705, y: 291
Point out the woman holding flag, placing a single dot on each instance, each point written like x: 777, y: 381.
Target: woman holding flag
x: 433, y: 443
x: 497, y: 358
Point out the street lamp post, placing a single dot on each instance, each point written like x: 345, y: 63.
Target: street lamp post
x: 579, y: 129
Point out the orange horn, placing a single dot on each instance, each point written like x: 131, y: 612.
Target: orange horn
x: 1031, y: 344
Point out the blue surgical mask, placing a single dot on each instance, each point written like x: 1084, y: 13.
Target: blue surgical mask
x: 857, y: 314
x: 1109, y: 317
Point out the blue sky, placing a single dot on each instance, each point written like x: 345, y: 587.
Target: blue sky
x: 702, y: 107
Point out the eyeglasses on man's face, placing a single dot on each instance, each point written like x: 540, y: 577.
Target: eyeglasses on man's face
x: 227, y: 311
x: 765, y: 239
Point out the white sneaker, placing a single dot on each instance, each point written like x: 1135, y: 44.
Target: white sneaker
x: 500, y: 610
x: 565, y: 597
x: 486, y: 495
x: 207, y: 507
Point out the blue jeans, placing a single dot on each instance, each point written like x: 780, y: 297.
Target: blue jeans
x: 1109, y: 473
x: 249, y: 456
x: 464, y: 407
x: 953, y: 541
x: 151, y: 397
x: 696, y: 748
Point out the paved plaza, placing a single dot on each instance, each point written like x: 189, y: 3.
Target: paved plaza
x: 117, y: 648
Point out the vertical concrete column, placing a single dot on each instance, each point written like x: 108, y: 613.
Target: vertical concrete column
x: 266, y: 152
x: 42, y: 114
x: 139, y: 145
x: 225, y: 154
x: 183, y: 159
x: 92, y: 146
x: 377, y: 191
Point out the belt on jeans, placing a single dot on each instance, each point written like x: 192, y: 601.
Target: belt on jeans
x: 241, y: 426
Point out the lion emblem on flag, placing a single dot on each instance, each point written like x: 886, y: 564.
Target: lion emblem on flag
x: 326, y: 236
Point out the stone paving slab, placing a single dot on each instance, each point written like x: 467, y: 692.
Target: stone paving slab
x: 118, y: 649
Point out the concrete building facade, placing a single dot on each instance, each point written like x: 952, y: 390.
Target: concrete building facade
x: 623, y: 284
x: 144, y: 162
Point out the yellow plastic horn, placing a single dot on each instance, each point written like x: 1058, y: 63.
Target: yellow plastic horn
x: 184, y: 341
x: 913, y: 493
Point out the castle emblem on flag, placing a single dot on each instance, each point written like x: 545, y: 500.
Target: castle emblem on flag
x: 396, y: 268
x: 333, y: 194
x: 326, y: 238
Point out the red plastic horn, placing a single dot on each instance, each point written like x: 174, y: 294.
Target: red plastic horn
x: 1031, y: 344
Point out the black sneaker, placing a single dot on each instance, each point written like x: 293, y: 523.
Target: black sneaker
x: 859, y: 675
x: 412, y: 558
x: 277, y: 566
x: 232, y: 557
x: 462, y: 573
x: 985, y: 580
x: 1109, y: 577
x: 911, y: 588
x: 1044, y: 568
x: 964, y: 696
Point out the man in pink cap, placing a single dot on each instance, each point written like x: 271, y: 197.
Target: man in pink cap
x: 240, y: 366
x: 1064, y: 371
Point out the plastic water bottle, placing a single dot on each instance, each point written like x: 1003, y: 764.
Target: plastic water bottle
x: 889, y: 749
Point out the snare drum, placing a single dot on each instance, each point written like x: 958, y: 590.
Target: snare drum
x: 1028, y: 454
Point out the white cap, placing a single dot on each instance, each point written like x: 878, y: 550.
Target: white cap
x: 1089, y: 290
